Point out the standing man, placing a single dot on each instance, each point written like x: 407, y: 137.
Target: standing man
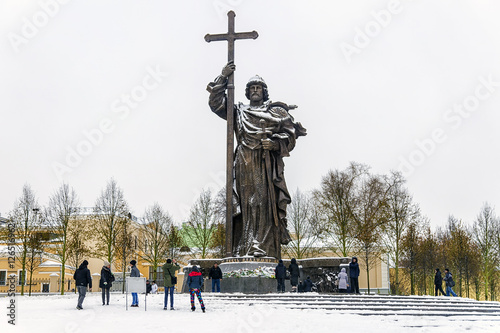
x: 216, y: 275
x: 438, y: 283
x: 280, y: 274
x: 449, y: 283
x: 83, y: 278
x: 134, y: 272
x: 169, y: 281
x: 354, y: 274
x: 265, y: 134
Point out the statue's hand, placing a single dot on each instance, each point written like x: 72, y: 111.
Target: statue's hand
x: 228, y: 69
x: 269, y: 144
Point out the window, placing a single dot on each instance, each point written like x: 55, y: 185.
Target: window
x: 21, y: 277
x: 3, y: 278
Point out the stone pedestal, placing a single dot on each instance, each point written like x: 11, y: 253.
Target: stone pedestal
x: 322, y: 271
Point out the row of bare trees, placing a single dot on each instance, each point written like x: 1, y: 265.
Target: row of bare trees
x: 356, y: 212
x: 70, y: 234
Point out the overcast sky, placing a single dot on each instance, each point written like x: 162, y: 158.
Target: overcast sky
x: 91, y: 90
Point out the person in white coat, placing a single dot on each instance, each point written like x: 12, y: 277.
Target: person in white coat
x: 154, y: 288
x: 343, y: 284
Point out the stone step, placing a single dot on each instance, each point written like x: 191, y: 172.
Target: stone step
x: 368, y: 305
x: 360, y: 299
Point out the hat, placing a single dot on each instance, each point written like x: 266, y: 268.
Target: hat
x: 85, y: 263
x: 169, y: 261
x: 106, y: 263
x: 133, y: 262
x: 280, y: 261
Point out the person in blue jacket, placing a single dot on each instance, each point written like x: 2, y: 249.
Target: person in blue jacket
x: 194, y: 282
x: 448, y: 278
x: 354, y: 274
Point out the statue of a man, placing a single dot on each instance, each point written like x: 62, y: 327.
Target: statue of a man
x: 259, y: 126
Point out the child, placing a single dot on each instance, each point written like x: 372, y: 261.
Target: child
x: 154, y: 288
x: 195, y: 281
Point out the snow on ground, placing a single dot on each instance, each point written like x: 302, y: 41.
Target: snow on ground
x: 52, y: 313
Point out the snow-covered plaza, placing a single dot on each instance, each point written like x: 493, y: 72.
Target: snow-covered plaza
x: 272, y: 313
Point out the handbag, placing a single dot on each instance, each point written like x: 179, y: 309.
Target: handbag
x: 173, y: 279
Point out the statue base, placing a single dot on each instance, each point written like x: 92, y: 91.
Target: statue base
x: 255, y: 275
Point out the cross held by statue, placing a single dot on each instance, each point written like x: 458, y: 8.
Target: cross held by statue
x: 230, y: 37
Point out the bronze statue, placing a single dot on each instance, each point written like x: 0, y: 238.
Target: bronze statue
x: 265, y: 133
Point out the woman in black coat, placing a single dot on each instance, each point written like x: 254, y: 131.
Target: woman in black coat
x: 294, y: 274
x: 106, y: 281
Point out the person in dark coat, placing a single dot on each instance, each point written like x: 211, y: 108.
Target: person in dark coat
x: 169, y: 269
x: 148, y: 287
x: 194, y: 282
x: 280, y: 274
x: 354, y: 274
x: 83, y: 279
x: 216, y: 275
x: 448, y: 278
x: 294, y: 274
x: 134, y: 272
x: 308, y: 284
x: 105, y: 282
x: 438, y: 283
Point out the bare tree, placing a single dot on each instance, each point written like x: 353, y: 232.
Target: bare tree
x: 63, y: 208
x: 411, y: 240
x: 428, y: 254
x: 335, y: 201
x: 155, y: 236
x: 370, y: 214
x: 202, y: 223
x: 401, y: 211
x: 484, y: 236
x: 77, y: 241
x: 304, y: 226
x: 175, y: 242
x: 111, y: 212
x: 24, y: 216
x: 36, y: 247
x: 126, y: 244
x: 218, y: 242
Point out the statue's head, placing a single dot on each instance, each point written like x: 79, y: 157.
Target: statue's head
x: 257, y: 80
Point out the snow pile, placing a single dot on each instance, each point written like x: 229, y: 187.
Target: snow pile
x: 265, y: 272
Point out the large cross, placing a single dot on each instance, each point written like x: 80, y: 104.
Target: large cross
x: 230, y: 36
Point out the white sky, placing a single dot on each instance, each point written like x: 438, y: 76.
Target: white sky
x: 69, y: 75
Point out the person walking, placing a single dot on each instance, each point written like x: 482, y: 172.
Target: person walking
x: 280, y: 274
x: 216, y: 275
x: 169, y: 281
x: 294, y: 274
x: 448, y: 278
x: 354, y: 274
x: 105, y: 282
x: 83, y: 279
x: 134, y: 272
x: 194, y: 282
x: 308, y: 285
x: 343, y: 284
x: 438, y: 283
x: 154, y: 288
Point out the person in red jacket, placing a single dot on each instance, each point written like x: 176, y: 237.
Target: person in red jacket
x: 195, y: 281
